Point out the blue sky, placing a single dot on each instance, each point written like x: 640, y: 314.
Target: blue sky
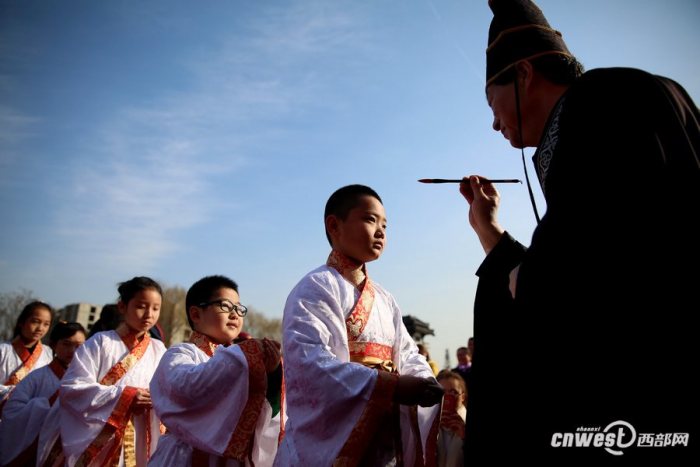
x: 179, y: 139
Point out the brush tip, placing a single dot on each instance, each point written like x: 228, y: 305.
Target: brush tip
x: 425, y: 180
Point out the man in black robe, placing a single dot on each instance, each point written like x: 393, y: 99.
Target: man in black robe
x: 603, y: 300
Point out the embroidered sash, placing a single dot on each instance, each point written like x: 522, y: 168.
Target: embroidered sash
x: 112, y: 435
x: 356, y: 274
x: 28, y: 360
x: 240, y: 445
x: 203, y: 343
x: 380, y: 410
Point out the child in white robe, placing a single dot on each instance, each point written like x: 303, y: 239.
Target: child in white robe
x: 25, y: 353
x: 106, y: 415
x: 220, y: 402
x: 353, y: 374
x: 25, y: 414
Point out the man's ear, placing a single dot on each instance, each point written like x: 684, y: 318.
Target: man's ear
x: 524, y: 73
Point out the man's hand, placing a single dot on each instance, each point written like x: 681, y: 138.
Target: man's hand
x: 412, y: 390
x: 483, y: 199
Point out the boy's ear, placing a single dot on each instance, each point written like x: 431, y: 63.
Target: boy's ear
x: 195, y: 314
x: 121, y: 307
x: 332, y: 225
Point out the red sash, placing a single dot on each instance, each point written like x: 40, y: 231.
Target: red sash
x: 240, y: 444
x: 372, y: 355
x: 112, y: 435
x: 356, y: 274
x: 28, y: 361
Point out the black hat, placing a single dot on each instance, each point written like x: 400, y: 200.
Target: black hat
x: 518, y: 31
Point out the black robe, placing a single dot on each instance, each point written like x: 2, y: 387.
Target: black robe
x: 602, y: 326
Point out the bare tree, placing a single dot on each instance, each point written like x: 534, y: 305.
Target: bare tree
x: 11, y: 304
x: 173, y: 318
x: 258, y: 325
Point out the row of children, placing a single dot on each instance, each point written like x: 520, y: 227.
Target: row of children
x: 355, y: 389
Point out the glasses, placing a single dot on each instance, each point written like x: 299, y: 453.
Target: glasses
x: 227, y: 306
x: 454, y: 392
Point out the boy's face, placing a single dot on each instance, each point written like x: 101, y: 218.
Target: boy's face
x: 362, y: 234
x: 212, y: 321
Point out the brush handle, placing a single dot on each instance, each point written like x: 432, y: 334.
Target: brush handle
x: 483, y: 180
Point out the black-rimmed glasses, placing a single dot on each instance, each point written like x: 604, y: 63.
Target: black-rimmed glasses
x: 227, y: 306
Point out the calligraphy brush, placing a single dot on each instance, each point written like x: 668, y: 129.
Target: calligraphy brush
x: 483, y: 180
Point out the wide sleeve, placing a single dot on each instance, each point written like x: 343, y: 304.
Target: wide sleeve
x: 427, y: 418
x: 326, y: 394
x: 24, y: 415
x: 201, y: 402
x: 87, y: 405
x: 8, y: 363
x: 81, y: 393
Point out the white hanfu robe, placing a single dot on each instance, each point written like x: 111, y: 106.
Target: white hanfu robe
x: 10, y: 363
x: 87, y: 405
x: 25, y: 412
x: 49, y: 445
x: 214, y: 407
x: 330, y: 400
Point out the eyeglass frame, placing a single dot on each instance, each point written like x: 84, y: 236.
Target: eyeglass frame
x: 238, y: 309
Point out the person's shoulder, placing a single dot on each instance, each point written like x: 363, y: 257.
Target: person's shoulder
x: 158, y: 345
x: 101, y: 337
x: 36, y: 375
x: 616, y: 79
x: 320, y: 278
x: 97, y: 341
x: 379, y: 289
x: 47, y: 351
x: 182, y: 348
x: 4, y: 346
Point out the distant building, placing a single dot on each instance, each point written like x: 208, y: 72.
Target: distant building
x: 417, y: 329
x: 83, y: 313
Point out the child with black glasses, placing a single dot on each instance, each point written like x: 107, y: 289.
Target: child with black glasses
x: 219, y: 401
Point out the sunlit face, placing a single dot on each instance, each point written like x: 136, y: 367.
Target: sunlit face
x: 64, y: 349
x: 362, y: 234
x: 501, y: 99
x: 212, y: 321
x: 454, y: 389
x: 142, y: 311
x: 36, y: 326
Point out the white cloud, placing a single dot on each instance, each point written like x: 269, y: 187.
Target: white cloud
x: 153, y: 175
